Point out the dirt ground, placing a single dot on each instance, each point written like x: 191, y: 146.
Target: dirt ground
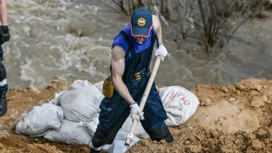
x: 230, y: 119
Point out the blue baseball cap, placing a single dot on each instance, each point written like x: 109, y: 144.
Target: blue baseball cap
x: 141, y: 22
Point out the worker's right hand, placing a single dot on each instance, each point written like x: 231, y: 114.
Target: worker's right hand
x: 161, y: 51
x: 4, y: 34
x: 135, y: 110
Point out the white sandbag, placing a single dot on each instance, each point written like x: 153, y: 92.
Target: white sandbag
x: 56, y: 100
x: 70, y: 133
x: 92, y: 125
x: 180, y: 104
x: 80, y: 102
x: 99, y: 86
x: 40, y: 120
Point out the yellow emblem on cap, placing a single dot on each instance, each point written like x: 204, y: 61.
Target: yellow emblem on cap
x: 141, y: 22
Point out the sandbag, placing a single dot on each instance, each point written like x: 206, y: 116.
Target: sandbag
x: 99, y: 85
x: 56, y: 100
x: 70, y: 133
x: 180, y: 104
x: 92, y: 125
x: 80, y: 102
x: 40, y: 120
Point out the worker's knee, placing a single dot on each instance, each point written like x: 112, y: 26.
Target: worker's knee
x: 160, y: 133
x: 102, y: 136
x: 99, y: 137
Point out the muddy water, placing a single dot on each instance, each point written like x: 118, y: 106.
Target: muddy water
x: 72, y: 40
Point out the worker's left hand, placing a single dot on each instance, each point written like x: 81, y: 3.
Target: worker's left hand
x: 135, y: 110
x: 161, y: 51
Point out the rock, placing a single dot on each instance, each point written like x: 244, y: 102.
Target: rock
x: 257, y: 145
x: 257, y: 101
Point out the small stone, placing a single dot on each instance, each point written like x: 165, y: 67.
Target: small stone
x: 233, y: 100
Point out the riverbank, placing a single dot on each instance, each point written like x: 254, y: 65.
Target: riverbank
x: 234, y: 118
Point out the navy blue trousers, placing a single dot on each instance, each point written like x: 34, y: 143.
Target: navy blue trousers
x: 115, y: 110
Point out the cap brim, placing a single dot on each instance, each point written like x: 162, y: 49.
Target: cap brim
x: 140, y: 31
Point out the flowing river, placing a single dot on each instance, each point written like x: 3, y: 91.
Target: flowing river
x: 71, y: 39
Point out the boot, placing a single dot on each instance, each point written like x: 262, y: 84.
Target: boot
x: 94, y: 151
x: 3, y: 105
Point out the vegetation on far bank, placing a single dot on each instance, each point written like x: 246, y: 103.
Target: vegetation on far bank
x: 209, y: 23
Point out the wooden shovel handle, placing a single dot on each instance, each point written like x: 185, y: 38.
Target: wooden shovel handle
x: 144, y: 98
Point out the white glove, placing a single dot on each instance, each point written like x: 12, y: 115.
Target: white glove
x: 161, y: 51
x: 135, y: 110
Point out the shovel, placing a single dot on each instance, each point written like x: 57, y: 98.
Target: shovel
x: 142, y: 103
